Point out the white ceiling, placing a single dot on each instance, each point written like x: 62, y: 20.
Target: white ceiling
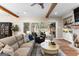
x: 64, y: 8
x: 24, y: 9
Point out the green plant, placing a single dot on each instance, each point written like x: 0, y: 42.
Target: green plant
x: 15, y: 28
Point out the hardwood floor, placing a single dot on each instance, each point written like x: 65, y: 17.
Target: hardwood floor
x: 67, y: 50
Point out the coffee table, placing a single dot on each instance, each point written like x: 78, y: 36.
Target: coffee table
x: 47, y: 49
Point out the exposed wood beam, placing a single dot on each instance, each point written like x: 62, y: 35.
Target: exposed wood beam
x: 53, y: 5
x: 8, y: 11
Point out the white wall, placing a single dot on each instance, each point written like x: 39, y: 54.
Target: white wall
x: 21, y: 20
x: 9, y: 19
x: 69, y: 14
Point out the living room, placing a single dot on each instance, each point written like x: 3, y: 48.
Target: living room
x: 22, y: 19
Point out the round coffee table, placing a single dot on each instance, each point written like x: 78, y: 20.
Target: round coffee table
x: 47, y: 49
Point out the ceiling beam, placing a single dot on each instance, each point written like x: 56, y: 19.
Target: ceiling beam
x: 53, y: 5
x: 8, y: 11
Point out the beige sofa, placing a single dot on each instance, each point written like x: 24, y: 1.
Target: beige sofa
x: 21, y: 48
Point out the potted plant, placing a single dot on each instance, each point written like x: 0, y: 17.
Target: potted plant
x: 15, y: 29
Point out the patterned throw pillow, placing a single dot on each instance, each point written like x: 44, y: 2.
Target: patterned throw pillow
x: 1, y: 45
x: 8, y: 50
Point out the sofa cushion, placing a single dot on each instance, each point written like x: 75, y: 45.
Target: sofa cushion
x: 8, y: 40
x: 15, y: 46
x: 29, y: 44
x: 20, y: 42
x: 1, y: 45
x: 22, y: 51
x: 19, y: 37
x: 8, y: 50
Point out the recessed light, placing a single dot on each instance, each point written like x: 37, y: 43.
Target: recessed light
x: 24, y: 12
x: 55, y: 13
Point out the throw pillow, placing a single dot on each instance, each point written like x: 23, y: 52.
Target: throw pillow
x: 26, y: 38
x: 1, y: 46
x: 8, y: 50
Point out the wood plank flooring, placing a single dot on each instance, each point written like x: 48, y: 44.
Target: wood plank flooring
x: 67, y: 50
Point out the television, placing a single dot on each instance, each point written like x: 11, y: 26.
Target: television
x: 76, y: 14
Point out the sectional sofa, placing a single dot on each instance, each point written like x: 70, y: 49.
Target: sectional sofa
x: 16, y: 46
